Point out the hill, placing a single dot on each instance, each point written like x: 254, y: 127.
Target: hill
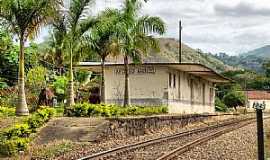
x: 252, y: 60
x: 169, y: 52
x: 263, y: 52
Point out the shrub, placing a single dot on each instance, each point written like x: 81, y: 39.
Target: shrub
x: 13, y: 146
x: 8, y: 97
x: 40, y: 117
x: 85, y: 109
x: 60, y: 86
x: 46, y: 112
x: 16, y: 138
x: 220, y: 106
x: 5, y: 111
x: 18, y: 130
x: 81, y: 110
x: 3, y: 85
x: 36, y: 78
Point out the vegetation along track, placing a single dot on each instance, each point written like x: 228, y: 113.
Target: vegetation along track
x: 169, y: 146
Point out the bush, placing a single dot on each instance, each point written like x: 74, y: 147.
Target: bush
x: 85, y: 109
x: 13, y: 146
x: 18, y: 130
x: 220, y: 106
x: 3, y: 85
x: 60, y: 85
x: 8, y: 97
x: 5, y: 111
x: 36, y: 78
x: 16, y: 138
x: 40, y: 117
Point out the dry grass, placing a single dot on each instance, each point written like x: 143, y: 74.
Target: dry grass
x: 50, y: 150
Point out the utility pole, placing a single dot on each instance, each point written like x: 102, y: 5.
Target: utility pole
x: 180, y: 41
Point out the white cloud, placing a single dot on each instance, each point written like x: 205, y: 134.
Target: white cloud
x: 232, y: 26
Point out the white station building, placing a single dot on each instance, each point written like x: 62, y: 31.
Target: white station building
x: 184, y: 87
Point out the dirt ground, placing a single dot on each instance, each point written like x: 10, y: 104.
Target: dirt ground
x: 69, y: 128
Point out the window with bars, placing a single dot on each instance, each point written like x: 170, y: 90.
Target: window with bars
x: 174, y: 80
x: 170, y: 80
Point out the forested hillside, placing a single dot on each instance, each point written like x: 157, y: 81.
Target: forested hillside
x: 169, y: 52
x: 252, y: 60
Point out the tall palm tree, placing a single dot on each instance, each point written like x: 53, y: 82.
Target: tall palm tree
x: 134, y: 34
x: 77, y: 22
x: 103, y: 42
x: 26, y: 17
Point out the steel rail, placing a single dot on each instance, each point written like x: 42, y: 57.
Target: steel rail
x: 201, y: 140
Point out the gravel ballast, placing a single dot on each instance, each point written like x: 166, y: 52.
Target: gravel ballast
x: 80, y: 150
x: 240, y: 144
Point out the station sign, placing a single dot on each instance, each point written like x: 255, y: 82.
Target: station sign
x: 136, y: 70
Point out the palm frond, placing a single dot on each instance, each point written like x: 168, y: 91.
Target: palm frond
x: 85, y: 25
x: 76, y: 10
x: 28, y: 16
x: 148, y: 25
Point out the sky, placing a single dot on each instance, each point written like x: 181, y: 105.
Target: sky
x: 230, y: 26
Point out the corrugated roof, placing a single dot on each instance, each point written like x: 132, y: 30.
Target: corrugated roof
x: 258, y: 95
x: 191, y: 68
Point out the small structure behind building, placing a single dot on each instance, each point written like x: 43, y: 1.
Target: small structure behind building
x: 258, y: 96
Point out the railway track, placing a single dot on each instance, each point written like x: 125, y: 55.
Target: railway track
x: 180, y: 150
x: 168, y: 147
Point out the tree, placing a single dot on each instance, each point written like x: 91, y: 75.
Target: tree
x: 104, y: 43
x: 69, y: 30
x: 8, y: 58
x: 52, y: 49
x: 266, y: 67
x: 134, y: 35
x: 26, y: 17
x: 234, y: 99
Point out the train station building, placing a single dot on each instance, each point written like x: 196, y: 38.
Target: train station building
x: 185, y: 88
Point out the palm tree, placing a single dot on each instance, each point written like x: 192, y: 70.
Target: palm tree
x: 26, y: 17
x: 104, y: 42
x: 53, y: 47
x: 134, y: 34
x: 76, y: 23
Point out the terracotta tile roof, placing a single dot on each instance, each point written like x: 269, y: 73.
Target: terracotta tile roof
x: 258, y: 95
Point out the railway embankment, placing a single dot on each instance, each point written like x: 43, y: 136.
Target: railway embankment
x: 94, y: 135
x: 120, y: 128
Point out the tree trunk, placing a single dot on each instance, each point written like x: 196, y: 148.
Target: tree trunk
x: 21, y: 109
x: 70, y: 94
x: 102, y: 91
x: 126, y: 92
